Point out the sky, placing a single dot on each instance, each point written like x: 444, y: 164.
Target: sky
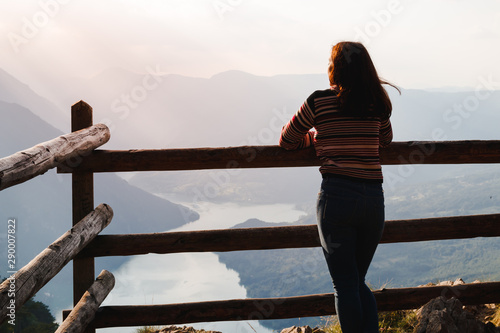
x: 414, y: 44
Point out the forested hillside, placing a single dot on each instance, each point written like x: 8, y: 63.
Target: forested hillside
x: 291, y: 272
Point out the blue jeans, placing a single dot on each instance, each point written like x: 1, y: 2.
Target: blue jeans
x: 350, y: 223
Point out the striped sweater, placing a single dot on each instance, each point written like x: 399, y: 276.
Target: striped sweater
x: 347, y: 146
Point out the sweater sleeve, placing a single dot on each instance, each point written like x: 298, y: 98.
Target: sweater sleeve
x: 385, y: 137
x: 297, y: 133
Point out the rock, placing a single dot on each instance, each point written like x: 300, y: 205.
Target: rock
x: 184, y: 329
x: 445, y: 283
x: 303, y: 329
x: 442, y: 315
x: 440, y: 321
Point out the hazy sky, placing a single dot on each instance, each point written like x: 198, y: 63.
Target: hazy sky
x: 415, y: 44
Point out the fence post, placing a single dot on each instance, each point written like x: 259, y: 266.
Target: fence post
x: 84, y: 312
x: 83, y: 203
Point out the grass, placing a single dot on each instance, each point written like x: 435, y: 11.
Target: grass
x: 401, y: 321
x: 398, y: 321
x: 495, y: 318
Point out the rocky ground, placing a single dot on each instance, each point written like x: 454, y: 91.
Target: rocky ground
x: 183, y: 329
x: 440, y: 315
x: 449, y: 315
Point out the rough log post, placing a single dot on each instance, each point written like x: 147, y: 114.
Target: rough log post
x: 29, y: 163
x: 84, y: 312
x: 285, y: 307
x: 300, y: 236
x: 32, y: 277
x: 83, y: 203
x: 411, y: 152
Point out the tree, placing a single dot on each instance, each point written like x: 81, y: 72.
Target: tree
x: 33, y: 316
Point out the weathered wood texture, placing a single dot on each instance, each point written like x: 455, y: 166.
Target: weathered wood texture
x: 29, y: 163
x: 32, y: 277
x: 422, y: 152
x: 285, y: 237
x: 285, y: 307
x: 84, y: 311
x: 83, y: 203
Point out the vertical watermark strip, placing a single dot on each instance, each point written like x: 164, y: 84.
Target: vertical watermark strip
x: 11, y: 269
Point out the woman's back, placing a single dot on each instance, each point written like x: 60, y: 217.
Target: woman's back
x: 347, y: 124
x: 348, y: 145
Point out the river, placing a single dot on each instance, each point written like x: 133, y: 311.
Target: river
x: 191, y: 277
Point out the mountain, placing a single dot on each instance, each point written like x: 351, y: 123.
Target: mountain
x: 42, y: 206
x: 157, y: 110
x: 236, y: 108
x: 154, y: 110
x: 14, y: 91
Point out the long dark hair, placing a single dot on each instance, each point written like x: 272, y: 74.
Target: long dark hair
x: 361, y: 93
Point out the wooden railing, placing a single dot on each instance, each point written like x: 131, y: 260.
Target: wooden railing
x: 412, y: 152
x: 83, y: 161
x: 27, y: 281
x: 301, y: 236
x: 37, y: 160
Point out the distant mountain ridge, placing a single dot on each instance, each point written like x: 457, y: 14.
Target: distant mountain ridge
x: 236, y: 108
x: 14, y: 91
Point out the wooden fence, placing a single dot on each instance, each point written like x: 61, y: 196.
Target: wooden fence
x: 76, y: 153
x: 27, y: 164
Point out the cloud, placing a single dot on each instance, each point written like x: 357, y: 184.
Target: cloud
x: 259, y: 37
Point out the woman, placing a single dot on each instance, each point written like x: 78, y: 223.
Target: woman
x: 351, y: 121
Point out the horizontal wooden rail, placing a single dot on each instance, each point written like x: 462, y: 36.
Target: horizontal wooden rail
x: 84, y: 311
x: 285, y: 307
x: 29, y: 163
x: 412, y: 152
x: 31, y: 278
x: 285, y: 237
